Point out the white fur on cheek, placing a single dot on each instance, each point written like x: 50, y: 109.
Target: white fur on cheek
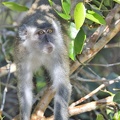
x: 31, y: 30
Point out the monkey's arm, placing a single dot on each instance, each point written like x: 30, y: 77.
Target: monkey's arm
x: 61, y: 84
x: 24, y: 77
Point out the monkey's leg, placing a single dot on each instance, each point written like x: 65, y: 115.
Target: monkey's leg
x: 61, y: 102
x: 25, y: 93
x: 63, y: 91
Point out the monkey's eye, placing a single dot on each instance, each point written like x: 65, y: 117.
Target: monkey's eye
x: 40, y: 32
x: 50, y: 30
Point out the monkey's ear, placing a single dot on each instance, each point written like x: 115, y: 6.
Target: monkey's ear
x: 22, y: 32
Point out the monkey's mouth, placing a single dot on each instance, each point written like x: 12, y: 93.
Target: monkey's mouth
x: 49, y: 48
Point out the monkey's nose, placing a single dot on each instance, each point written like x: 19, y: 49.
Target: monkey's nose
x: 50, y: 49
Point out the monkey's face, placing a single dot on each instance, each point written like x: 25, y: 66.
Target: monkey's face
x: 46, y: 39
x: 43, y: 38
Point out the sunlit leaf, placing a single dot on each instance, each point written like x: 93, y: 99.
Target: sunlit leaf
x: 118, y: 1
x: 71, y: 50
x: 72, y: 30
x: 116, y: 116
x: 66, y: 7
x: 79, y: 41
x: 64, y: 16
x: 95, y: 17
x: 79, y: 15
x: 14, y: 6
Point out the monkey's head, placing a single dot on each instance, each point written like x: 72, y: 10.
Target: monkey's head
x: 42, y: 37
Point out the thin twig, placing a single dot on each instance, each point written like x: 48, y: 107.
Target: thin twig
x: 104, y: 65
x: 10, y: 86
x: 113, y: 45
x: 5, y: 90
x: 4, y: 69
x: 94, y: 80
x: 91, y: 106
x: 94, y: 91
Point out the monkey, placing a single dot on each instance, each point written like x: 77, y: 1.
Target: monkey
x: 39, y: 43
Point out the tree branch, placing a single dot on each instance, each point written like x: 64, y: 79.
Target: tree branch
x: 4, y: 69
x: 88, y: 107
x: 43, y: 104
x: 98, y: 46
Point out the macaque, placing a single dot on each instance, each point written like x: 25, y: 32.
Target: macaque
x: 40, y: 43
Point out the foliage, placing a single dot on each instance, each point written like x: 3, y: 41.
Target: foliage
x: 78, y: 44
x: 66, y: 9
x: 80, y: 14
x: 100, y: 117
x: 118, y: 1
x: 117, y: 98
x: 15, y: 7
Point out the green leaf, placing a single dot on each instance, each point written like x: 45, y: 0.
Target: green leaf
x: 63, y: 15
x: 108, y: 3
x: 50, y: 1
x: 79, y: 41
x: 71, y: 50
x: 14, y: 6
x: 100, y: 117
x: 41, y: 84
x: 66, y: 7
x: 95, y: 17
x: 72, y: 30
x: 116, y: 116
x: 68, y: 1
x: 118, y: 1
x: 79, y: 15
x: 117, y: 98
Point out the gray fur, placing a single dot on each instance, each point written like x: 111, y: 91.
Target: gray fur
x: 32, y: 51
